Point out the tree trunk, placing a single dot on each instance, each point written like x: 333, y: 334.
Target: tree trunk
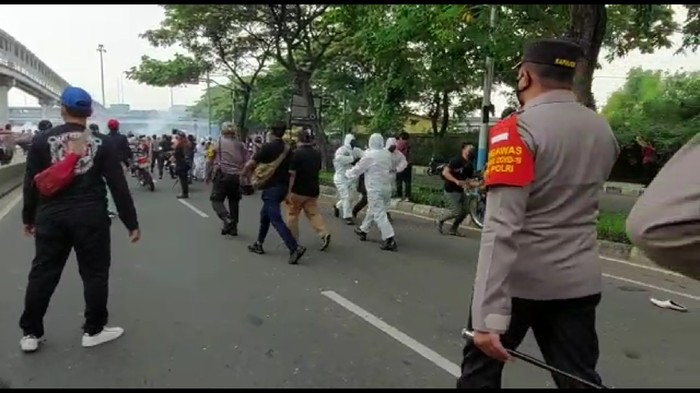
x: 435, y: 114
x: 302, y: 84
x: 242, y: 119
x: 587, y: 28
x: 445, y: 112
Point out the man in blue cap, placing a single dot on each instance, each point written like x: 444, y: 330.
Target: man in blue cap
x: 73, y: 218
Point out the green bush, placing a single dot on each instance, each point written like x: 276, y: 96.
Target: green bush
x: 611, y: 227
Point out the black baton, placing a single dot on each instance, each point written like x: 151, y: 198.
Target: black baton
x: 466, y: 334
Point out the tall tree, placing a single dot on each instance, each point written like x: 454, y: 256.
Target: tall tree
x: 213, y: 36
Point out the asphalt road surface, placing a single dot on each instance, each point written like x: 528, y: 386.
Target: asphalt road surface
x: 201, y: 311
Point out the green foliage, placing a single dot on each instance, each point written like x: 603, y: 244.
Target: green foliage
x: 611, y: 227
x: 662, y: 108
x: 169, y: 73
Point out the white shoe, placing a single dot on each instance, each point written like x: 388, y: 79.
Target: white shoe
x: 106, y: 335
x: 30, y: 343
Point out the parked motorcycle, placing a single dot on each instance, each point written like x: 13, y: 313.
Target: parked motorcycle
x: 435, y: 167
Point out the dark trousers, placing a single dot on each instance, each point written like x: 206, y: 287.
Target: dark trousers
x: 363, y: 202
x: 158, y: 160
x: 404, y: 178
x: 182, y: 174
x: 271, y: 213
x: 54, y: 241
x: 564, y: 330
x: 226, y: 187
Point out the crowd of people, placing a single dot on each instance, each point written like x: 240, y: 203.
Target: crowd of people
x: 538, y: 265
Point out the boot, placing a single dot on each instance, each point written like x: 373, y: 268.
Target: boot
x: 361, y: 234
x: 389, y: 245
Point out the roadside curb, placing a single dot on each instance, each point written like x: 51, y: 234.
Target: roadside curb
x: 606, y: 249
x: 607, y: 188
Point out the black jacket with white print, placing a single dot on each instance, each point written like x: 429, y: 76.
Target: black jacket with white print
x: 86, y: 195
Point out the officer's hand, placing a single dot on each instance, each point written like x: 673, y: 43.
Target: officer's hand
x: 490, y: 344
x: 135, y: 236
x: 29, y: 230
x: 462, y: 183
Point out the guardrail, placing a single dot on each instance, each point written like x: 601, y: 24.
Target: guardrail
x: 11, y: 177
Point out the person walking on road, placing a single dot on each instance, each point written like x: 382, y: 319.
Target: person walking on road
x: 377, y: 164
x: 183, y: 164
x: 273, y: 158
x: 456, y: 175
x: 538, y: 262
x: 403, y: 177
x: 304, y: 188
x: 228, y: 159
x: 665, y: 220
x: 73, y: 218
x: 120, y: 142
x: 345, y: 157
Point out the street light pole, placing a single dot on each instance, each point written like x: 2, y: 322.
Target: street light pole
x: 486, y: 103
x: 209, y: 102
x: 101, y: 49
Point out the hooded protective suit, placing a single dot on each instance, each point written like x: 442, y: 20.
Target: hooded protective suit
x: 376, y: 165
x: 343, y: 160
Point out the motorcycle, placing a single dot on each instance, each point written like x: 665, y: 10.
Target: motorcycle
x: 144, y: 177
x: 168, y: 164
x: 435, y: 167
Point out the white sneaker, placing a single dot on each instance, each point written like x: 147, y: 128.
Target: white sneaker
x: 30, y: 343
x: 106, y: 335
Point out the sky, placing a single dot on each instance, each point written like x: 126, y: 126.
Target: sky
x: 68, y: 45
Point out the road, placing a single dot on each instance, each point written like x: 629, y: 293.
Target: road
x: 200, y: 311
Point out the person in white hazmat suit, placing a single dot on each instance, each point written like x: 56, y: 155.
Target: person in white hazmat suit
x: 345, y: 157
x: 377, y: 165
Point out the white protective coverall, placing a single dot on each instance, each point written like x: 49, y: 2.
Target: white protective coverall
x: 342, y: 161
x: 377, y: 165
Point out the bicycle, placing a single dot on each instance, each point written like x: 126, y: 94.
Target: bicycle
x: 476, y: 199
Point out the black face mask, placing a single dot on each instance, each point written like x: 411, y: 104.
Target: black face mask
x: 518, y: 91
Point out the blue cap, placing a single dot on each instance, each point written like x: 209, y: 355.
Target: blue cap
x: 77, y: 101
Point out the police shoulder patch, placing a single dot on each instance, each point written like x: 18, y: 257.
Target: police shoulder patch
x: 510, y: 162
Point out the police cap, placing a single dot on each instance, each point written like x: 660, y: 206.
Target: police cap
x: 552, y: 52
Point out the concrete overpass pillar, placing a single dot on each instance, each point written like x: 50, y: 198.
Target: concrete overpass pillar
x: 5, y: 85
x: 45, y: 106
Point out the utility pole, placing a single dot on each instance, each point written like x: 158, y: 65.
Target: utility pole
x: 171, y: 96
x: 209, y: 102
x: 101, y: 49
x: 486, y: 102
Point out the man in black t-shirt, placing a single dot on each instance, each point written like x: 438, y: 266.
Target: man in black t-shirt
x: 456, y: 174
x: 304, y: 188
x: 274, y: 191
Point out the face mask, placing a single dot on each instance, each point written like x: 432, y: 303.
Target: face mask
x: 520, y: 90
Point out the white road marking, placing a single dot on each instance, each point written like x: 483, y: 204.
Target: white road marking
x: 194, y: 209
x: 650, y: 268
x: 396, y: 334
x: 10, y: 206
x: 685, y: 295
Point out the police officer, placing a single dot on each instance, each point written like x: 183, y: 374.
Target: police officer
x: 538, y: 262
x: 665, y: 221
